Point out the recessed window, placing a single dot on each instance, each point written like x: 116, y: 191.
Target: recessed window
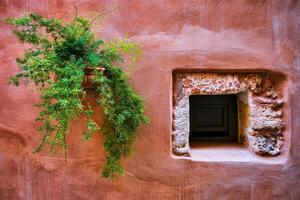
x: 213, y: 112
x: 213, y: 118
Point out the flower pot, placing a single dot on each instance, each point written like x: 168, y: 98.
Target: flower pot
x: 89, y: 73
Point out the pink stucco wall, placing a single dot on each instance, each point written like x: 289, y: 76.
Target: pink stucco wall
x: 234, y: 35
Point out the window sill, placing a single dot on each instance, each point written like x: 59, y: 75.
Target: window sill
x: 228, y: 152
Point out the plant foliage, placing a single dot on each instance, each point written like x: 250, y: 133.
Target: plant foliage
x: 55, y: 62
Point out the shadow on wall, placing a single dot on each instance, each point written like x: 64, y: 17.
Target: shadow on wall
x: 11, y: 142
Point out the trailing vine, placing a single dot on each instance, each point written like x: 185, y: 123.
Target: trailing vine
x: 55, y: 62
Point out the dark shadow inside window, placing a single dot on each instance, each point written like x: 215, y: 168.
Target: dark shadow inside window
x: 213, y: 118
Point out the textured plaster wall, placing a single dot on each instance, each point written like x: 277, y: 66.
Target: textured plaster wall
x: 227, y: 35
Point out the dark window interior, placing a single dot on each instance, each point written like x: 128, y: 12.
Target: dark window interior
x: 213, y: 118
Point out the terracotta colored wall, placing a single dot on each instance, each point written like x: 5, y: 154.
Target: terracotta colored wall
x: 236, y: 35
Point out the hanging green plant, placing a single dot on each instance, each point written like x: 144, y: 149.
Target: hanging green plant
x: 57, y: 61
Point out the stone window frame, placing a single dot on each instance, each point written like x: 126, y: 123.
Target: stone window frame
x: 260, y: 108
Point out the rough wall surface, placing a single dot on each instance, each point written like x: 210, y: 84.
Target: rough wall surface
x: 263, y: 131
x: 227, y: 35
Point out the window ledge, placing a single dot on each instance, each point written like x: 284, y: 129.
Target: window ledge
x: 228, y: 152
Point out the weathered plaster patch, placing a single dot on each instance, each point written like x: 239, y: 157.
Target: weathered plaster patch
x: 262, y: 131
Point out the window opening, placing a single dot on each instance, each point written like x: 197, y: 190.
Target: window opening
x: 213, y: 118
